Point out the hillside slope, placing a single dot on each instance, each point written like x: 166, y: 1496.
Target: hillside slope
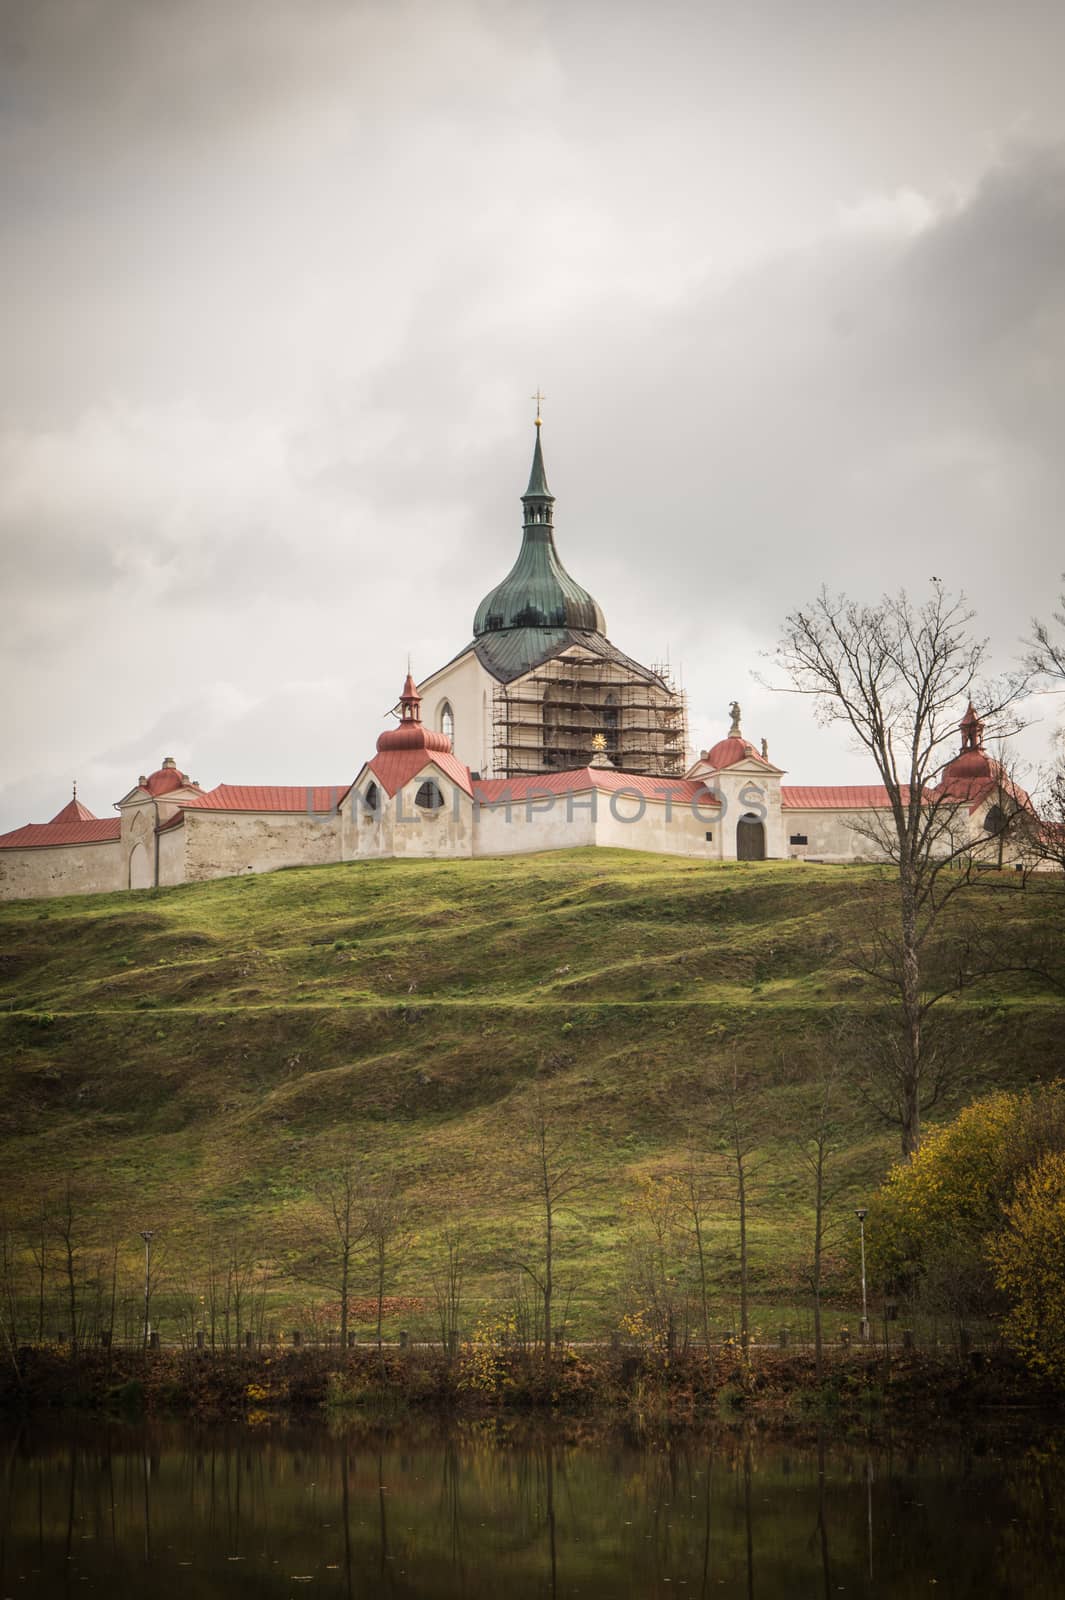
x: 199, y: 1056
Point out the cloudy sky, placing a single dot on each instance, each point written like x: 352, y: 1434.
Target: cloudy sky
x: 281, y: 275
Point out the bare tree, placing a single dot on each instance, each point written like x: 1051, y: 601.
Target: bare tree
x: 819, y: 1143
x: 900, y: 676
x: 69, y: 1229
x: 1047, y: 645
x: 656, y: 1246
x: 9, y: 1293
x: 336, y: 1234
x: 552, y: 1173
x: 447, y: 1278
x: 39, y: 1252
x: 697, y: 1188
x: 741, y: 1122
x: 387, y: 1237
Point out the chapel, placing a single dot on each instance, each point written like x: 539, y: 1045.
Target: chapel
x: 540, y: 734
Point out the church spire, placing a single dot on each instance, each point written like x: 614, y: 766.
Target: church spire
x: 538, y: 499
x: 538, y: 592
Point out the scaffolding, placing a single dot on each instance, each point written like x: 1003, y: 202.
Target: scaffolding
x: 578, y: 706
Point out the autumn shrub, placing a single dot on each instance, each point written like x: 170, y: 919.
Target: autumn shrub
x: 1028, y: 1259
x: 929, y: 1227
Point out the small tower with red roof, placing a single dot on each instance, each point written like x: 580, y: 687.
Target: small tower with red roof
x: 412, y: 797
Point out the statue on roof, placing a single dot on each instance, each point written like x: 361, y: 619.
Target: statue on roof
x: 734, y: 713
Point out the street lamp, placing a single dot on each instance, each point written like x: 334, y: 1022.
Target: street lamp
x: 861, y: 1214
x: 146, y: 1235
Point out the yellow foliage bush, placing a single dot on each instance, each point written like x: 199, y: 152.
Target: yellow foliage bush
x: 930, y: 1224
x: 1028, y: 1257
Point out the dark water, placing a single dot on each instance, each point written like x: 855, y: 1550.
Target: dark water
x: 479, y: 1511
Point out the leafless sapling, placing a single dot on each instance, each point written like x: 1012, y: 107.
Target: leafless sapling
x: 900, y: 676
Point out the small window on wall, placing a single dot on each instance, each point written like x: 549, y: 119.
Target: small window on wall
x: 429, y: 797
x: 447, y: 720
x: 371, y: 803
x: 798, y: 838
x: 710, y: 836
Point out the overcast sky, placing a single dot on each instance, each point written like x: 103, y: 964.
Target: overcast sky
x: 280, y: 276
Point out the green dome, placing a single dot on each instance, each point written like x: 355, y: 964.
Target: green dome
x: 538, y: 592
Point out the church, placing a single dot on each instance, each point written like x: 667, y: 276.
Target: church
x: 540, y: 734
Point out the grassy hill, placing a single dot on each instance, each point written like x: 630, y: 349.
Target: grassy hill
x: 197, y: 1057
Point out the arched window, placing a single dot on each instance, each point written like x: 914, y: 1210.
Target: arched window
x: 429, y: 797
x: 447, y: 720
x: 610, y: 722
x: 371, y: 803
x: 996, y: 822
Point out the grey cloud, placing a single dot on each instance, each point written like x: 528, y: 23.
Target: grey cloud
x: 280, y: 293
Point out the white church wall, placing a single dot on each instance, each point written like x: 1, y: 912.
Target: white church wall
x: 420, y: 832
x: 172, y: 855
x: 677, y: 829
x: 61, y: 869
x: 402, y: 828
x: 566, y: 823
x: 468, y: 689
x: 221, y: 844
x: 829, y: 835
x: 749, y: 791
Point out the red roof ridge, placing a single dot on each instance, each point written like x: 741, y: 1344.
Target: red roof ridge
x: 74, y: 811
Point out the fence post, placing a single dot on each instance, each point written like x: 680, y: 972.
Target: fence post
x: 403, y: 1338
x: 153, y: 1339
x: 297, y: 1338
x: 249, y: 1340
x: 200, y: 1340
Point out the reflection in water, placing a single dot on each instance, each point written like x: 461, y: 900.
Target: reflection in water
x: 480, y: 1509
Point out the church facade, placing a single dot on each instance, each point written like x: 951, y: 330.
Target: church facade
x: 540, y: 735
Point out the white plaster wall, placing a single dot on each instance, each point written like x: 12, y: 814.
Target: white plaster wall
x: 468, y: 688
x: 567, y: 825
x: 62, y: 869
x: 683, y: 834
x: 221, y: 844
x: 831, y: 834
x: 745, y: 790
x: 417, y: 832
x: 402, y: 828
x: 172, y: 856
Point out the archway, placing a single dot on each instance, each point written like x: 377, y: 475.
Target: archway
x: 750, y: 838
x: 140, y: 872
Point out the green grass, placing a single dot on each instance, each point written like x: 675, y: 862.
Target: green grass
x: 200, y: 1055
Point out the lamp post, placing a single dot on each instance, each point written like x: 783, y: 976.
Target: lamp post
x: 146, y: 1235
x: 861, y: 1214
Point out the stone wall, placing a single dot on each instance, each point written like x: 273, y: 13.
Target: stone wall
x: 222, y: 844
x: 401, y: 828
x: 62, y: 869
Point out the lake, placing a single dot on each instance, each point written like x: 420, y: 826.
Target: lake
x: 490, y: 1509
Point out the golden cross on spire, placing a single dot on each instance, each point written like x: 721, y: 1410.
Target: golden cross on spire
x: 539, y: 398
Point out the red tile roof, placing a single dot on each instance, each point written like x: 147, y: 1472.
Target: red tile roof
x: 394, y: 768
x: 74, y: 811
x: 267, y: 797
x: 846, y: 797
x: 727, y: 752
x: 41, y: 835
